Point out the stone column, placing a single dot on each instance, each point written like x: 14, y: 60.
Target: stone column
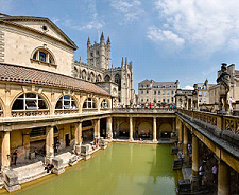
x: 195, y: 163
x: 76, y: 133
x: 185, y: 144
x: 96, y: 124
x: 154, y: 129
x: 131, y: 130
x: 26, y: 142
x: 223, y: 179
x: 6, y: 150
x: 98, y: 128
x: 109, y: 128
x: 180, y: 134
x: 49, y: 144
x: 78, y: 139
x: 80, y: 133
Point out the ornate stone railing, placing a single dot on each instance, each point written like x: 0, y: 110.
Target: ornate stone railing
x: 66, y: 111
x: 231, y: 124
x: 144, y: 110
x: 223, y: 122
x: 19, y: 113
x: 90, y: 110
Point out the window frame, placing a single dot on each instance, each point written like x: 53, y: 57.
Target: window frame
x: 64, y: 106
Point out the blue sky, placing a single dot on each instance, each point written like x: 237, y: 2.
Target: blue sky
x: 165, y: 39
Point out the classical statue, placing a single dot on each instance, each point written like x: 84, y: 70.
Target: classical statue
x: 223, y: 81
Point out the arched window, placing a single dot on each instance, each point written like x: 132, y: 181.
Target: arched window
x: 29, y: 101
x: 83, y: 74
x: 43, y: 55
x: 118, y: 81
x: 104, y: 104
x: 66, y: 102
x: 92, y: 77
x: 89, y: 103
x: 107, y: 78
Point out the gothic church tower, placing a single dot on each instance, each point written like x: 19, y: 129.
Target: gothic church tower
x: 98, y: 54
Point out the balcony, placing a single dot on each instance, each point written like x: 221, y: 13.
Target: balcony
x: 21, y: 113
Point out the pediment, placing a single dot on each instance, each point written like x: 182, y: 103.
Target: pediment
x: 42, y: 25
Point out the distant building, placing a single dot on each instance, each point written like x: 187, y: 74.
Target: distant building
x: 150, y: 91
x: 183, y: 98
x: 117, y: 81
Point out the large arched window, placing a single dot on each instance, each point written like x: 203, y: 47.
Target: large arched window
x: 43, y: 55
x: 107, y: 78
x: 104, y: 104
x: 29, y: 101
x: 118, y: 81
x: 89, y: 103
x: 98, y: 78
x: 66, y: 102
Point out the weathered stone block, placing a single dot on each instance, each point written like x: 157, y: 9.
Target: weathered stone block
x: 10, y: 180
x: 85, y: 149
x: 58, y: 166
x: 77, y: 149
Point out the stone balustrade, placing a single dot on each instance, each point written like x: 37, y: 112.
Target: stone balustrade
x: 20, y: 113
x: 222, y: 122
x: 66, y: 111
x: 143, y: 110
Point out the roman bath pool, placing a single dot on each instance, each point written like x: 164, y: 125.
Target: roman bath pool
x: 120, y: 169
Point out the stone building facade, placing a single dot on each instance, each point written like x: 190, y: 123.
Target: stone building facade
x: 42, y: 107
x: 150, y: 91
x: 97, y: 70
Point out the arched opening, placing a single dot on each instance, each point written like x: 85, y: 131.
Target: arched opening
x: 124, y: 129
x: 104, y: 104
x: 107, y: 78
x: 98, y: 78
x: 30, y: 104
x: 29, y: 101
x: 83, y: 74
x: 89, y: 103
x: 66, y: 102
x: 144, y: 130
x: 41, y: 54
x: 1, y: 111
x: 118, y: 81
x: 92, y: 77
x: 165, y: 130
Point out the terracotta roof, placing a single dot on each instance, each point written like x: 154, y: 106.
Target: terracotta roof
x: 19, y: 74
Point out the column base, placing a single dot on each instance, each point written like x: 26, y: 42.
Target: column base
x: 155, y: 140
x: 131, y: 139
x: 194, y: 180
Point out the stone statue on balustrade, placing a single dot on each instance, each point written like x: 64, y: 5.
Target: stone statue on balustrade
x: 223, y: 81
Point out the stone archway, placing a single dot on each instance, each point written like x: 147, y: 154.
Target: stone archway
x: 144, y: 130
x: 165, y: 130
x: 124, y: 129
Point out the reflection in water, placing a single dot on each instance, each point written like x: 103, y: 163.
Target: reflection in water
x: 121, y: 169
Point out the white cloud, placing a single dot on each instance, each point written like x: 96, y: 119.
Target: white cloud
x: 95, y: 21
x: 159, y: 35
x: 131, y: 9
x: 210, y: 26
x: 188, y: 87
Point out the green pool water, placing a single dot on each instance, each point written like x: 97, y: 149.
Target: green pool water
x: 120, y: 169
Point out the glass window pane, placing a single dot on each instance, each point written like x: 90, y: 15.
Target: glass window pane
x: 42, y: 56
x: 66, y: 97
x: 89, y: 104
x: 30, y: 95
x: 18, y: 105
x: 41, y: 104
x: 85, y: 105
x: 30, y: 105
x: 59, y: 105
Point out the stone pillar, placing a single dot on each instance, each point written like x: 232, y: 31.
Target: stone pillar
x: 96, y: 124
x: 98, y: 128
x: 223, y: 179
x: 49, y: 144
x: 76, y: 133
x: 109, y: 128
x: 80, y: 133
x: 6, y: 150
x: 26, y: 142
x: 195, y: 163
x: 180, y: 134
x: 185, y: 144
x: 131, y: 130
x: 154, y: 129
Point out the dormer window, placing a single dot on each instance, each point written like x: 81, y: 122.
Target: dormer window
x: 43, y: 55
